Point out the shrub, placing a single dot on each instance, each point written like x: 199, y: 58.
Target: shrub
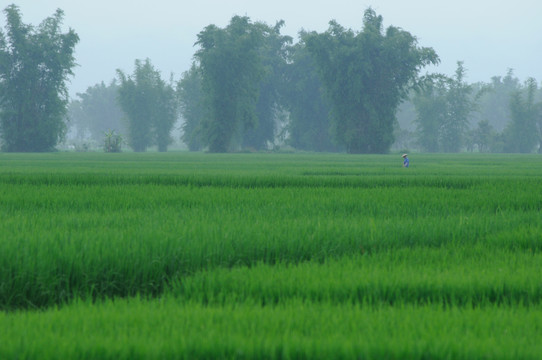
x: 112, y: 142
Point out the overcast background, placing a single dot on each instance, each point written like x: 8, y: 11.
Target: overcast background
x: 489, y: 36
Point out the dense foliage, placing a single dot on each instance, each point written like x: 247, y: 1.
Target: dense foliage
x: 366, y: 75
x: 501, y: 116
x: 96, y: 111
x: 269, y: 108
x: 231, y: 70
x: 309, y: 121
x: 150, y: 104
x: 35, y: 63
x: 192, y: 109
x: 524, y: 131
x: 443, y: 107
x: 251, y: 88
x: 241, y: 69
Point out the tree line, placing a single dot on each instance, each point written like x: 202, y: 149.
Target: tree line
x: 339, y: 89
x: 252, y: 88
x: 503, y: 116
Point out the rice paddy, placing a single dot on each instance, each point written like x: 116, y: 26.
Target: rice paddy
x: 271, y: 256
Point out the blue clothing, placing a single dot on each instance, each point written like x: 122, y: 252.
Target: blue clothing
x: 406, y: 162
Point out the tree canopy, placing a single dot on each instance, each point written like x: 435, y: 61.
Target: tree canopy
x: 522, y: 133
x: 274, y: 57
x: 309, y: 122
x: 251, y: 88
x: 150, y: 104
x: 96, y: 111
x: 231, y: 68
x: 443, y: 106
x: 35, y: 63
x: 192, y: 110
x: 366, y: 75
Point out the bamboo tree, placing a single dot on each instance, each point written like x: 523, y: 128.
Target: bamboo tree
x: 35, y: 63
x: 431, y: 109
x: 366, y: 76
x: 97, y: 111
x: 521, y: 133
x: 231, y: 69
x: 150, y: 106
x: 192, y: 110
x: 273, y: 52
x: 310, y: 124
x: 443, y: 107
x: 460, y: 105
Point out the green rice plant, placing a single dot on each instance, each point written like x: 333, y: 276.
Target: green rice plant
x: 167, y: 329
x: 184, y: 255
x: 72, y: 233
x: 447, y: 278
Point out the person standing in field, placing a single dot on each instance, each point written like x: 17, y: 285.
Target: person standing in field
x: 406, y: 162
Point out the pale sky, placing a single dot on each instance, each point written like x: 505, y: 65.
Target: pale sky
x: 489, y: 36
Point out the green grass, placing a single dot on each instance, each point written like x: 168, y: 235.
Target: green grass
x: 139, y: 329
x: 403, y: 277
x: 270, y: 256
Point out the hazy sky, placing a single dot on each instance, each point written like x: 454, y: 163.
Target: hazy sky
x: 489, y: 36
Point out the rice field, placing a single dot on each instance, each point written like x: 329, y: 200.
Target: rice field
x: 270, y: 256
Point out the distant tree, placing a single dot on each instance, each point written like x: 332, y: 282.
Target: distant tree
x: 460, y: 104
x: 150, y: 105
x: 165, y: 114
x: 483, y: 135
x: 97, y: 111
x: 521, y: 134
x: 231, y: 65
x: 498, y: 143
x: 495, y: 102
x: 539, y: 121
x: 192, y: 110
x: 35, y: 64
x: 309, y: 121
x: 443, y: 107
x: 137, y: 101
x: 431, y: 110
x: 112, y: 142
x: 366, y: 76
x: 274, y: 58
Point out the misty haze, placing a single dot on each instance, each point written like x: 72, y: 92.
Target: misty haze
x: 270, y: 180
